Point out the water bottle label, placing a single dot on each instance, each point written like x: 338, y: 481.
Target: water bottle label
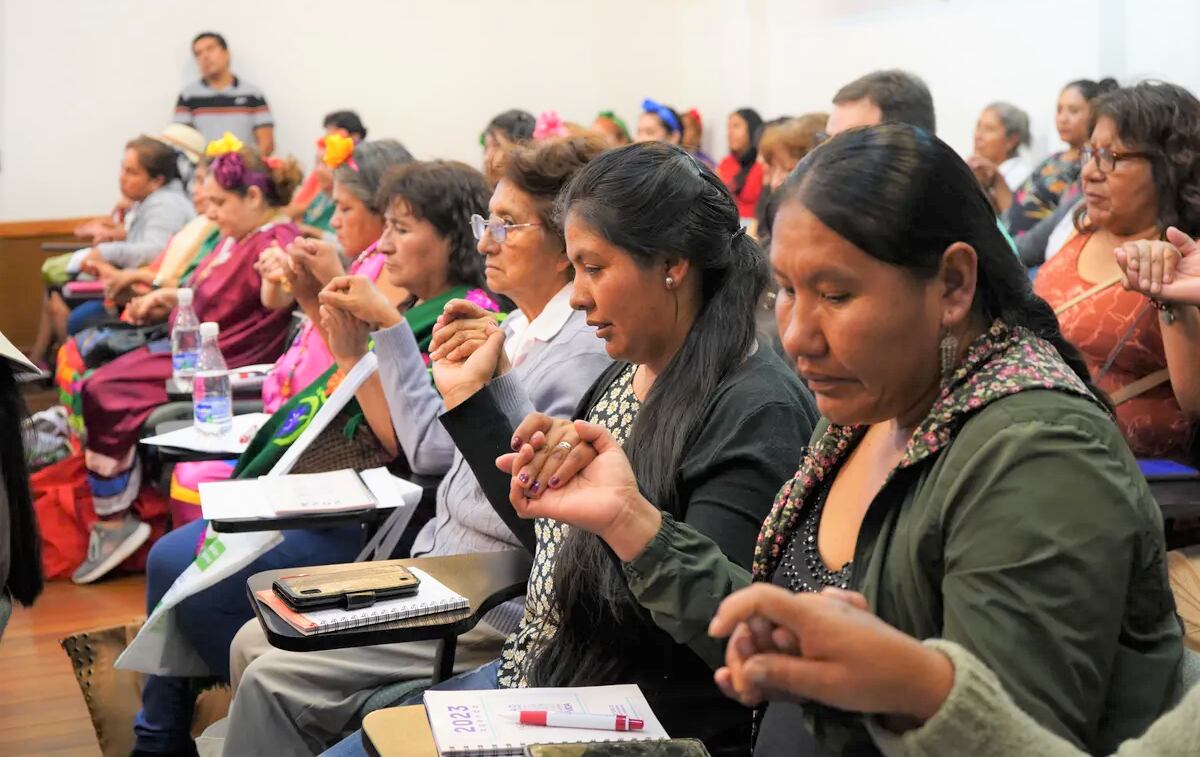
x: 185, y: 361
x: 214, y: 410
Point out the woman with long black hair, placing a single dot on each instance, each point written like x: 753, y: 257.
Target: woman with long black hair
x: 20, y: 545
x: 711, y: 420
x: 741, y: 170
x: 969, y: 480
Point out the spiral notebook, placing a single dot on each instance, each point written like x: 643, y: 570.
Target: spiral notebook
x: 431, y: 598
x: 484, y: 722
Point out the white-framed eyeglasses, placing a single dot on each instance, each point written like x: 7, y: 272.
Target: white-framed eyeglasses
x: 498, y: 229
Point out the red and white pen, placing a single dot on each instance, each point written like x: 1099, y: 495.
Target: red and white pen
x: 579, y: 720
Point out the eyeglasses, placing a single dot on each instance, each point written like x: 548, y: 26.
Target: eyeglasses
x: 499, y: 229
x: 1106, y: 159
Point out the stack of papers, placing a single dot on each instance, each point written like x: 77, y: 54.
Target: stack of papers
x: 306, y: 493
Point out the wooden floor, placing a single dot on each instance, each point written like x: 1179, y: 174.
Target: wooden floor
x: 41, y: 709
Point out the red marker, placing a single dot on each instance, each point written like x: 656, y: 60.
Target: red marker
x: 579, y: 720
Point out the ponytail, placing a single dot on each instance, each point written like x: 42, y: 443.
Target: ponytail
x: 656, y: 203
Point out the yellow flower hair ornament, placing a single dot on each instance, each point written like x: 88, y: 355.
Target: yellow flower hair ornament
x: 226, y: 144
x: 339, y: 149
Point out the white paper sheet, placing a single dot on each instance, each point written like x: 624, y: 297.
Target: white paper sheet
x: 235, y: 442
x: 259, y: 497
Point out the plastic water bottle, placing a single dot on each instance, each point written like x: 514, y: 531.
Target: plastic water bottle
x: 185, y: 342
x: 212, y: 395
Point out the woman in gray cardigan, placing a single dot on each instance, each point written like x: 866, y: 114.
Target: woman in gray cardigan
x: 300, y: 703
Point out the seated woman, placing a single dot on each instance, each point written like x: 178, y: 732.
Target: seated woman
x: 1040, y: 194
x: 178, y: 259
x: 159, y: 207
x: 740, y: 170
x: 300, y: 381
x: 998, y: 162
x: 313, y: 206
x: 433, y: 263
x: 300, y: 703
x: 712, y: 420
x: 507, y: 130
x: 1137, y: 180
x: 173, y: 268
x: 246, y: 194
x: 969, y: 480
x: 612, y: 128
x: 690, y: 137
x: 658, y: 123
x: 783, y: 144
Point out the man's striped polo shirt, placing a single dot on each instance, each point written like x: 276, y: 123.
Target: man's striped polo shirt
x: 239, y: 108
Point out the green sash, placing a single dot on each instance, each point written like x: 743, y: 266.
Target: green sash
x: 290, y: 420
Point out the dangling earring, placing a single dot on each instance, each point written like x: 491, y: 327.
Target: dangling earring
x: 948, y: 351
x: 670, y: 283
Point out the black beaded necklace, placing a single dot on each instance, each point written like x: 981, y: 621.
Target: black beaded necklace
x: 802, y: 565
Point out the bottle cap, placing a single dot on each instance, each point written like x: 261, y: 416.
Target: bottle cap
x: 209, y: 330
x: 185, y: 297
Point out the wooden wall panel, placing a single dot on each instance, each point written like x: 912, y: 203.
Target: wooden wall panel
x: 21, y: 259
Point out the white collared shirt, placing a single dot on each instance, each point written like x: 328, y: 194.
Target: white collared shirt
x: 523, y: 333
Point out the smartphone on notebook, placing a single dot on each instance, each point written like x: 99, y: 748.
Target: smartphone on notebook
x: 353, y: 588
x: 666, y: 748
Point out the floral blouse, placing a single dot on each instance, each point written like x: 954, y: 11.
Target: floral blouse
x: 616, y: 411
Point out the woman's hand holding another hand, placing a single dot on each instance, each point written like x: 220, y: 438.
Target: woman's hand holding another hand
x: 591, y: 486
x: 348, y: 336
x: 1166, y: 270
x: 829, y: 648
x: 359, y: 297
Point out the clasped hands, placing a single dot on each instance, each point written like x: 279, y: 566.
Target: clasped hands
x: 828, y: 648
x: 302, y: 269
x: 1167, y: 270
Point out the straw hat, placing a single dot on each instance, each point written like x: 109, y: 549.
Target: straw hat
x: 183, y: 138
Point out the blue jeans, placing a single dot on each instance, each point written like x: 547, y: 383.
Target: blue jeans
x: 479, y: 679
x: 85, y: 315
x: 209, y: 620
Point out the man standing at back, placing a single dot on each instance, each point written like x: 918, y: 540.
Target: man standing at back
x: 881, y: 97
x: 220, y: 102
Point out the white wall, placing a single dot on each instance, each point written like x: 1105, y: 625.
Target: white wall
x: 969, y: 52
x: 77, y: 84
x: 78, y: 78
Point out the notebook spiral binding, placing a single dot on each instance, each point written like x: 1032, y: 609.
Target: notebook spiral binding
x: 385, y: 616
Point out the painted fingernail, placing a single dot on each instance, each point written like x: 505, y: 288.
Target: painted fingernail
x: 554, y: 482
x: 516, y: 444
x: 537, y: 485
x: 523, y: 478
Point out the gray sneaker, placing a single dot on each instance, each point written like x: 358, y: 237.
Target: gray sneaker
x: 109, y: 547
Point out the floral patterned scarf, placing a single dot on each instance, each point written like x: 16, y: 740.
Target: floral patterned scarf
x: 1001, y: 362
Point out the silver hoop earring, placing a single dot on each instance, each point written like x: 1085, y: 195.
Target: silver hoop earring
x: 948, y: 352
x: 670, y: 283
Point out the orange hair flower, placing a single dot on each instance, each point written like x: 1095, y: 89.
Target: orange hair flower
x: 338, y: 150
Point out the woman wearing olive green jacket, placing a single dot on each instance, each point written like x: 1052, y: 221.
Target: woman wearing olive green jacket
x: 969, y: 479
